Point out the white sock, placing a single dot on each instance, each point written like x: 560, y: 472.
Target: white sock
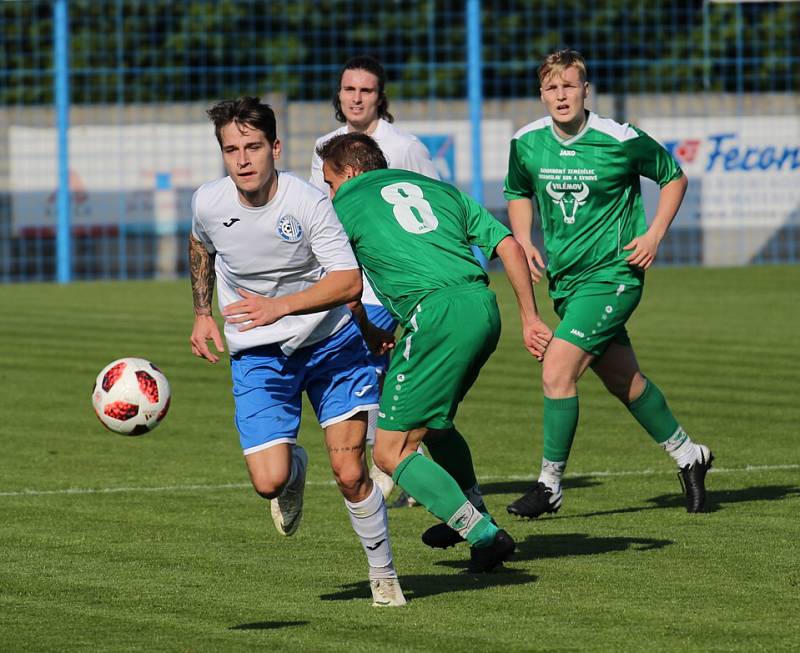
x: 681, y: 448
x: 551, y: 474
x: 371, y: 524
x: 372, y: 425
x: 294, y: 469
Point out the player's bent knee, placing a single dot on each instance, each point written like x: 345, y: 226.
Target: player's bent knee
x: 557, y: 385
x: 385, y: 459
x: 624, y: 387
x: 268, y: 487
x: 350, y: 478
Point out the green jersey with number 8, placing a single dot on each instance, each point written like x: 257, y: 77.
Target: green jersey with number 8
x: 588, y: 194
x: 412, y: 235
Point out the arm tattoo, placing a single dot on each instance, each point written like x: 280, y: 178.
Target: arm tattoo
x: 201, y: 271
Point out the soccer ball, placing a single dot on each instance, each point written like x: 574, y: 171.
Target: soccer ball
x: 131, y: 396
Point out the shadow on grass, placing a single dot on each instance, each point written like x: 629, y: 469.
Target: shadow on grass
x: 717, y: 499
x: 269, y: 625
x: 539, y: 547
x: 423, y: 585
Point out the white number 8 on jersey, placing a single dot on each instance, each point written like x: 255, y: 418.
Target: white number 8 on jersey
x: 404, y: 198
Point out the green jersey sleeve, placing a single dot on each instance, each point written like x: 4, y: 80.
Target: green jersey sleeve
x: 519, y: 182
x: 648, y: 158
x: 483, y: 229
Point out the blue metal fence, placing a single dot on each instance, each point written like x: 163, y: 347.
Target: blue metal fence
x: 103, y: 135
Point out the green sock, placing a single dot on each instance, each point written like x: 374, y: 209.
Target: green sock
x: 651, y: 411
x: 560, y: 422
x: 435, y: 489
x: 451, y: 451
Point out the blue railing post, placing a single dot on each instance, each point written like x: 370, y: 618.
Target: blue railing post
x: 475, y: 92
x: 475, y: 98
x: 63, y: 200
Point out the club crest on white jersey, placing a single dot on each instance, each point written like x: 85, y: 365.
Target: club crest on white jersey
x: 289, y: 229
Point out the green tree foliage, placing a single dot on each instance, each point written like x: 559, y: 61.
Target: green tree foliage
x: 130, y: 51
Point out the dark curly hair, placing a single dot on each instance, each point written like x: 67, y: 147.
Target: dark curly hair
x: 371, y: 65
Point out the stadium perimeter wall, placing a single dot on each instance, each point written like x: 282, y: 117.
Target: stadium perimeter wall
x: 134, y: 168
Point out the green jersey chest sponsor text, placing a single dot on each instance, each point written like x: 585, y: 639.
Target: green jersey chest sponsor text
x: 587, y: 190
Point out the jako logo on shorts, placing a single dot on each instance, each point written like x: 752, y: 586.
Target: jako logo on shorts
x: 289, y: 229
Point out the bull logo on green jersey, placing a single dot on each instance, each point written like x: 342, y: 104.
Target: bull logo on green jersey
x: 569, y: 197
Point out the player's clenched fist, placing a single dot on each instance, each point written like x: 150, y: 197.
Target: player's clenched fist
x: 536, y: 336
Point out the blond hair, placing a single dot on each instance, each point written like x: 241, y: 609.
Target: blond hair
x: 557, y: 62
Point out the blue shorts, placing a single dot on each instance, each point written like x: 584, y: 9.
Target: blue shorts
x: 268, y: 387
x: 382, y: 318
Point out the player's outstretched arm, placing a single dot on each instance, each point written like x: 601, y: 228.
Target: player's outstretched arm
x: 645, y: 247
x: 334, y: 289
x: 201, y: 272
x: 535, y: 333
x: 520, y: 216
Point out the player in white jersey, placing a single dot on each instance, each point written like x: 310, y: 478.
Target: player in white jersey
x: 361, y: 103
x: 283, y: 267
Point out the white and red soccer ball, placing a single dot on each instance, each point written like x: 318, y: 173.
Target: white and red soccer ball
x: 131, y: 396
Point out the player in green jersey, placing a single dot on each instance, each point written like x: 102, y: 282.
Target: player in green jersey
x: 583, y: 171
x: 412, y: 237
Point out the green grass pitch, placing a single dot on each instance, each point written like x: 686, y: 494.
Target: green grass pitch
x: 157, y: 543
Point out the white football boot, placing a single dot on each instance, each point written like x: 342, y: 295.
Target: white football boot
x: 386, y: 593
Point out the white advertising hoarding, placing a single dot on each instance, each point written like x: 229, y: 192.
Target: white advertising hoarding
x: 744, y: 176
x: 117, y: 173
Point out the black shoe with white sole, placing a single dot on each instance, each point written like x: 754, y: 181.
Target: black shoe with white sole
x: 485, y: 558
x: 539, y: 500
x: 693, y: 480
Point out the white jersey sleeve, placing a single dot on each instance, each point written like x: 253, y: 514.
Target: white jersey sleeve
x: 326, y: 236
x: 404, y: 150
x: 417, y: 158
x: 198, y: 229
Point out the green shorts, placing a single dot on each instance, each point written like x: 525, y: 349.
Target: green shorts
x: 451, y: 335
x: 594, y: 316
